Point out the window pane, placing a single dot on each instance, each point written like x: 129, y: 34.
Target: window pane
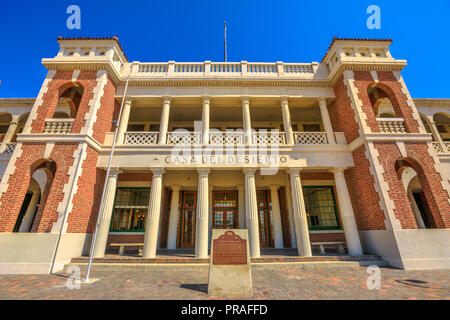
x: 130, y: 209
x: 320, y: 207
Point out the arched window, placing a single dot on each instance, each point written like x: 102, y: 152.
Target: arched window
x: 381, y: 103
x: 442, y: 122
x: 69, y: 101
x: 5, y: 119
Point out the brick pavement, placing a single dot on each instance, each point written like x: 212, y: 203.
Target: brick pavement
x: 280, y: 282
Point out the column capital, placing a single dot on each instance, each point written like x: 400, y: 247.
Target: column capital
x: 284, y: 100
x: 240, y: 187
x: 274, y: 186
x: 203, y: 171
x: 249, y: 171
x: 115, y: 171
x: 322, y: 102
x: 295, y: 171
x: 338, y: 170
x: 206, y: 99
x: 129, y: 100
x: 15, y: 119
x: 176, y: 188
x: 166, y: 99
x: 245, y: 99
x: 157, y: 172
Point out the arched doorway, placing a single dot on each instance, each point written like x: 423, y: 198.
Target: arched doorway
x: 34, y: 200
x: 416, y: 195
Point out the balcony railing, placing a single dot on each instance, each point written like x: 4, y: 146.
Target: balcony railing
x: 9, y: 148
x: 224, y: 68
x: 232, y: 138
x: 226, y: 138
x: 183, y: 138
x: 310, y: 138
x: 142, y: 138
x: 438, y: 148
x: 269, y: 138
x: 58, y: 126
x: 391, y: 125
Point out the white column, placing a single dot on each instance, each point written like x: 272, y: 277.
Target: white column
x: 205, y: 120
x: 347, y: 215
x: 246, y: 120
x: 105, y: 214
x: 164, y: 123
x: 241, y: 206
x: 326, y: 121
x: 154, y: 211
x: 287, y: 121
x: 252, y: 213
x: 301, y: 224
x: 27, y: 220
x: 174, y: 218
x: 276, y: 217
x: 10, y: 132
x: 202, y: 216
x: 123, y: 125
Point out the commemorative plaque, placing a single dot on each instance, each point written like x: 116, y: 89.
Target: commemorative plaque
x: 229, y: 268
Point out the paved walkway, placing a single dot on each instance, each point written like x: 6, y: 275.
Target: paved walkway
x: 280, y: 282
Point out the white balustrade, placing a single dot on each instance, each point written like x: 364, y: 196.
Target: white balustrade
x: 438, y: 148
x: 391, y: 125
x: 311, y: 138
x: 9, y: 148
x: 189, y: 68
x: 224, y: 68
x: 226, y: 138
x: 269, y: 138
x: 153, y: 68
x: 262, y: 68
x: 183, y: 138
x: 141, y: 138
x: 298, y: 68
x: 58, y: 126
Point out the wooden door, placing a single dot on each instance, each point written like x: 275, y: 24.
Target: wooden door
x: 264, y: 217
x: 186, y: 235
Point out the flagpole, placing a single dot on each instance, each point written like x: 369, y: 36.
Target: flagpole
x: 86, y: 279
x: 225, y: 35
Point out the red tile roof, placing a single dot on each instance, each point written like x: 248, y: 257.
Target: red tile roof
x: 351, y: 39
x: 97, y: 38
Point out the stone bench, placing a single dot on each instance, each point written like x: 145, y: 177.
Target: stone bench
x: 122, y: 247
x: 340, y: 246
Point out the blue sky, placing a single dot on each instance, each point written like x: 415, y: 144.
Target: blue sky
x: 263, y: 30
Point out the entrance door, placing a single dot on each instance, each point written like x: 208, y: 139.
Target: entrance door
x: 186, y: 236
x: 225, y: 209
x: 264, y: 217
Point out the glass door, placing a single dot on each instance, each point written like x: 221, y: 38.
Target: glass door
x: 225, y: 209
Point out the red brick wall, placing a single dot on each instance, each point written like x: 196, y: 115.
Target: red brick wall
x: 360, y: 182
x: 419, y: 159
x: 90, y: 184
x: 341, y: 113
x: 326, y: 237
x: 393, y: 89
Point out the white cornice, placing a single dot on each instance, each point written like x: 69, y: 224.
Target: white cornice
x: 68, y: 138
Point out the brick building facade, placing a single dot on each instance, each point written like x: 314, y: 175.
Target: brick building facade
x: 298, y: 154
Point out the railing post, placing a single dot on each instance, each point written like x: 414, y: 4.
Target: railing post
x: 207, y: 68
x: 171, y: 68
x: 244, y: 68
x: 280, y: 68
